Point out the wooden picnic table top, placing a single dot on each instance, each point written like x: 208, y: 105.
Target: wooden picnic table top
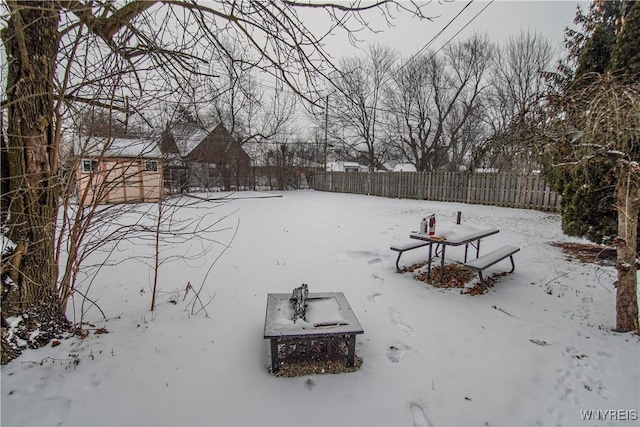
x: 327, y: 313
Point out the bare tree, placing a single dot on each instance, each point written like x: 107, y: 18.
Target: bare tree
x: 517, y: 89
x: 356, y: 107
x: 434, y: 100
x: 238, y: 100
x: 470, y: 61
x: 410, y: 101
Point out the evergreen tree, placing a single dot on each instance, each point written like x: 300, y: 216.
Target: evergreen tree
x: 587, y: 202
x: 596, y: 54
x: 596, y: 124
x: 604, y: 18
x: 588, y: 190
x: 626, y: 59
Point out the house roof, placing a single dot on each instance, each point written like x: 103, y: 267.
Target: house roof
x: 187, y: 136
x: 389, y: 165
x: 404, y: 167
x: 118, y: 147
x: 340, y: 166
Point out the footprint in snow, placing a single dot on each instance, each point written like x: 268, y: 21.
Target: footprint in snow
x: 396, y: 319
x: 374, y: 296
x: 397, y: 352
x: 420, y: 418
x: 377, y: 279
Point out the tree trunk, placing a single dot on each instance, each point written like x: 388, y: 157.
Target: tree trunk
x: 32, y: 151
x: 628, y: 203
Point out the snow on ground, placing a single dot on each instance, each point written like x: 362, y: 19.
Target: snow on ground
x: 537, y: 349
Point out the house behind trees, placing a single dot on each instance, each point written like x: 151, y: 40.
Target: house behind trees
x: 282, y: 166
x: 196, y: 158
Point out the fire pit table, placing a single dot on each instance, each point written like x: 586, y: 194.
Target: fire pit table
x: 328, y: 322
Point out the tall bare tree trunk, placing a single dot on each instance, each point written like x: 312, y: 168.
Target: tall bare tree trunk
x: 628, y: 203
x: 31, y: 149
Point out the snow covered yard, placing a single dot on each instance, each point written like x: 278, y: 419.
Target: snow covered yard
x: 536, y: 349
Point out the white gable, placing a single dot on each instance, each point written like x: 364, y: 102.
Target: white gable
x: 187, y: 136
x: 340, y: 166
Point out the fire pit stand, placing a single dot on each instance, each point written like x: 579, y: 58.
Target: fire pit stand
x: 330, y: 323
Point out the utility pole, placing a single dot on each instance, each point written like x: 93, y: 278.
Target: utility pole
x: 326, y: 126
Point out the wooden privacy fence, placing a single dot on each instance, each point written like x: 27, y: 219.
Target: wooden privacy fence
x: 499, y: 189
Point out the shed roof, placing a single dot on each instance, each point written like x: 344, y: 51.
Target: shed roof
x: 118, y: 147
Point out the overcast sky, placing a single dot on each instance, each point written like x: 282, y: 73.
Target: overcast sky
x: 453, y: 20
x: 499, y: 19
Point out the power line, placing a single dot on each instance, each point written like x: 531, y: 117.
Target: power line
x: 426, y: 46
x: 272, y: 85
x: 430, y: 42
x: 462, y: 29
x: 414, y: 56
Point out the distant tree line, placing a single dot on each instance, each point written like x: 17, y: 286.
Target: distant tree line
x: 467, y: 105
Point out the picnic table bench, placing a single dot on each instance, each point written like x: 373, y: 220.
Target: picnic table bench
x: 407, y: 247
x: 491, y: 258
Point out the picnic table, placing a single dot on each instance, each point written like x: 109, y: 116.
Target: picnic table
x: 453, y: 235
x: 328, y: 319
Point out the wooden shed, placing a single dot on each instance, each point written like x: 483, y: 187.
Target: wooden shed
x: 118, y: 170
